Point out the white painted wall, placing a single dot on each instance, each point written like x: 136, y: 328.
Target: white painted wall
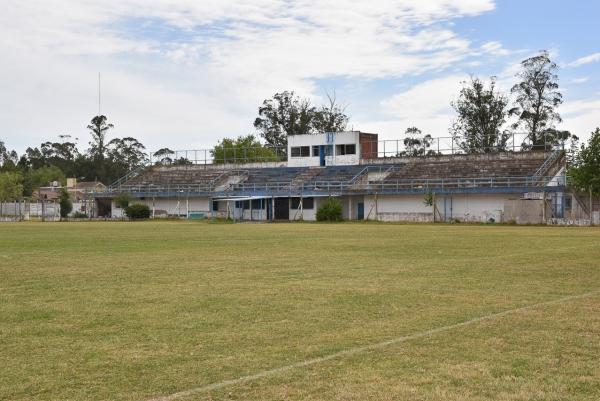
x: 349, y: 137
x: 172, y: 206
x: 307, y: 214
x: 465, y: 207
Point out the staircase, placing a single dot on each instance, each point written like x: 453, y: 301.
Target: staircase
x: 551, y: 165
x: 306, y: 175
x: 228, y: 180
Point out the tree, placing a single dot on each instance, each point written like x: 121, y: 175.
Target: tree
x: 537, y: 97
x: 61, y: 154
x: 284, y: 115
x: 33, y: 179
x: 98, y: 128
x: 97, y: 152
x: 417, y: 144
x: 243, y: 149
x: 11, y: 187
x: 481, y: 115
x: 585, y: 173
x: 8, y: 159
x: 164, y: 156
x: 331, y: 117
x: 123, y: 155
x: 66, y: 206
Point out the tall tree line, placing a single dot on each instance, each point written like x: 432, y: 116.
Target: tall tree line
x: 104, y: 160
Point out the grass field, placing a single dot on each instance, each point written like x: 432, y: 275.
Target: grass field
x: 135, y: 311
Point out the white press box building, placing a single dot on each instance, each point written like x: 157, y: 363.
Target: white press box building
x: 371, y: 183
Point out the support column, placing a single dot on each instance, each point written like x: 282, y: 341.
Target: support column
x: 272, y: 208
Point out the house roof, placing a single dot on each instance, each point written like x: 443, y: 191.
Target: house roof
x: 89, y: 184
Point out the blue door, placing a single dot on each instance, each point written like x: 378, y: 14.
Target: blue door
x: 361, y: 211
x: 322, y: 155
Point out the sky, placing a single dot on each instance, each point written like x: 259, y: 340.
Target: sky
x: 186, y: 73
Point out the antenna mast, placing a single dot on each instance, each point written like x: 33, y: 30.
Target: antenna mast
x: 99, y: 96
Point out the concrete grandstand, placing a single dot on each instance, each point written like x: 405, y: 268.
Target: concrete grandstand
x: 521, y: 186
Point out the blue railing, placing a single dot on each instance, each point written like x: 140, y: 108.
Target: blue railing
x: 487, y: 184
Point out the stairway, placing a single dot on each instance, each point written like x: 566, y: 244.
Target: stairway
x: 306, y: 175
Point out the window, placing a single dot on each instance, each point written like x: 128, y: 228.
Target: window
x: 348, y: 149
x: 300, y: 151
x: 258, y: 203
x: 568, y: 202
x: 215, y: 206
x: 307, y: 203
x: 315, y: 152
x: 245, y: 205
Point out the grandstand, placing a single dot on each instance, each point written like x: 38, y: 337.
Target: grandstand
x: 524, y: 186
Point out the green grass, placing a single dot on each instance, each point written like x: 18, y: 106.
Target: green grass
x: 131, y: 311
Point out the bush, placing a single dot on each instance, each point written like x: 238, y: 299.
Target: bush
x: 137, y: 212
x: 330, y: 210
x: 79, y: 215
x: 66, y: 206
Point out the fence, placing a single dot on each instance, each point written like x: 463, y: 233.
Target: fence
x: 385, y: 148
x: 25, y: 210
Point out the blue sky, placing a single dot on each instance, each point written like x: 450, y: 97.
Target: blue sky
x: 183, y: 73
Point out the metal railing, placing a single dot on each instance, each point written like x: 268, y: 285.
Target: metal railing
x: 548, y: 162
x: 384, y: 148
x: 339, y: 187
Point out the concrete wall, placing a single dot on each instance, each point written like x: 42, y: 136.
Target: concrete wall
x: 464, y: 207
x: 525, y: 211
x: 168, y: 206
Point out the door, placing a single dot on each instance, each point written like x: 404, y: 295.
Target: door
x: 282, y: 209
x: 360, y: 215
x: 322, y: 155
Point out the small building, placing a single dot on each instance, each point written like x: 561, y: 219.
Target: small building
x: 331, y: 149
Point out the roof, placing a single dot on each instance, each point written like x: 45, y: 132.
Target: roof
x: 89, y: 184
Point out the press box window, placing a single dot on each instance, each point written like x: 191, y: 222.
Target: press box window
x: 349, y: 149
x: 300, y: 151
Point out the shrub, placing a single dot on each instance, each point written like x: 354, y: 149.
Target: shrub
x: 79, y: 215
x: 330, y: 210
x: 137, y: 212
x: 66, y: 206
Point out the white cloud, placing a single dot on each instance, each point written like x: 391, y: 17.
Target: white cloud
x: 494, y: 48
x: 581, y: 117
x: 581, y: 80
x: 592, y: 58
x: 184, y: 73
x: 425, y: 105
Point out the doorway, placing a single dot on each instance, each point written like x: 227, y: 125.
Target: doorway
x: 282, y: 209
x: 360, y: 215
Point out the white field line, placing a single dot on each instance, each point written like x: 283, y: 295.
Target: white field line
x: 356, y: 350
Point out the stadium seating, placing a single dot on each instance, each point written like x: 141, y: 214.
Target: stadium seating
x: 418, y: 171
x: 431, y: 168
